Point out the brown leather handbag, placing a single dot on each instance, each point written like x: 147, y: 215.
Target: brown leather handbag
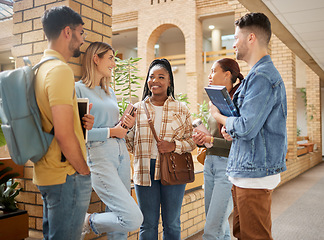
x: 175, y: 168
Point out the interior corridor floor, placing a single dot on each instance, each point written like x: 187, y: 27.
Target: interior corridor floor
x: 297, y: 208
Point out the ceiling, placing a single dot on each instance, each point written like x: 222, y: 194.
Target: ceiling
x: 299, y: 24
x: 305, y: 21
x: 6, y: 9
x: 291, y: 20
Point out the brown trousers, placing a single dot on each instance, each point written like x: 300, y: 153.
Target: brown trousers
x: 252, y: 213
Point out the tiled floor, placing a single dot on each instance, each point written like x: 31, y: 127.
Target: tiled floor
x: 287, y: 196
x: 283, y: 198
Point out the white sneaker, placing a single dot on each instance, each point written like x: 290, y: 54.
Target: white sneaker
x: 86, y: 226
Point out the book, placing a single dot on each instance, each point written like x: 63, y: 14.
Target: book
x: 83, y: 105
x: 220, y: 97
x: 129, y: 110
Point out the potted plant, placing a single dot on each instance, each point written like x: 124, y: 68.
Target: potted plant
x: 13, y: 221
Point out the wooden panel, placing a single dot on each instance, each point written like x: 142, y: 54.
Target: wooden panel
x: 14, y: 228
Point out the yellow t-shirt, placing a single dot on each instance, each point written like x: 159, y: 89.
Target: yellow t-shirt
x: 54, y: 85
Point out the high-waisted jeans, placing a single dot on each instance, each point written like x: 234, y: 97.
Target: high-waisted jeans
x: 110, y: 174
x: 150, y: 198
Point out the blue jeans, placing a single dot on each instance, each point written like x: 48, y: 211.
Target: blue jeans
x: 150, y: 198
x: 218, y: 201
x: 65, y: 206
x: 110, y: 174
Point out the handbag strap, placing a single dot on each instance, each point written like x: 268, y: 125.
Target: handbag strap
x: 150, y: 122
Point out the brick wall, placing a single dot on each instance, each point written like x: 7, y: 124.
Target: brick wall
x: 284, y: 60
x: 96, y: 14
x: 313, y: 108
x: 31, y: 40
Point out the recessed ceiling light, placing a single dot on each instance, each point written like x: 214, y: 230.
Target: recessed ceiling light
x: 11, y: 58
x: 211, y: 27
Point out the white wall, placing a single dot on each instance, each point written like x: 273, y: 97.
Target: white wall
x: 300, y: 73
x: 300, y: 104
x: 301, y: 113
x: 127, y: 52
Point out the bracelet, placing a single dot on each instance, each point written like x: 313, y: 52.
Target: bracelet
x: 211, y: 139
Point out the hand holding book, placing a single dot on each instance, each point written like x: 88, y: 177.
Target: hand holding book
x: 127, y: 121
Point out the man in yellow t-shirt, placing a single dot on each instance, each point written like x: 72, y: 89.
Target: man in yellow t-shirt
x: 64, y: 183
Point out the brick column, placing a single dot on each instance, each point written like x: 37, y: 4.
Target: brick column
x: 194, y: 66
x: 313, y: 108
x: 31, y: 42
x: 284, y: 60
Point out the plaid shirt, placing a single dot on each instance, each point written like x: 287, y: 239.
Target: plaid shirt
x: 176, y: 127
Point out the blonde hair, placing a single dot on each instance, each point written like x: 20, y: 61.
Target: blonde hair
x: 88, y: 65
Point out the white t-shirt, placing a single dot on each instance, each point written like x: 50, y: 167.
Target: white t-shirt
x: 157, y: 126
x: 268, y: 182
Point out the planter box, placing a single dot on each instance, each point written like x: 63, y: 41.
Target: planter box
x: 309, y: 146
x: 14, y: 225
x: 302, y: 151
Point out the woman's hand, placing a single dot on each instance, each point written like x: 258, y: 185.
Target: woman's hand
x: 214, y: 111
x: 165, y: 146
x: 199, y: 137
x: 118, y: 131
x: 88, y: 119
x: 129, y: 120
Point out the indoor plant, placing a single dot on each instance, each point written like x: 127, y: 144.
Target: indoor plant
x: 13, y: 221
x: 8, y: 190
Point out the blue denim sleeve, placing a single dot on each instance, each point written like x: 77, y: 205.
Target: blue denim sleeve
x: 255, y: 105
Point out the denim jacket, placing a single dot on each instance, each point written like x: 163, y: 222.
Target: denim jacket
x: 259, y: 135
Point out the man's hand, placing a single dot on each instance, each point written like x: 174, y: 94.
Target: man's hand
x: 65, y: 136
x: 226, y: 135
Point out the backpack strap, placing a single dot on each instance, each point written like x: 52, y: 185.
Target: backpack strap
x: 41, y: 62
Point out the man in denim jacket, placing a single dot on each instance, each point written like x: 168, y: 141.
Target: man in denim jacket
x: 259, y: 135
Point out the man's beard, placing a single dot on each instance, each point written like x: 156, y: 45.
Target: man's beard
x: 76, y: 53
x: 239, y: 56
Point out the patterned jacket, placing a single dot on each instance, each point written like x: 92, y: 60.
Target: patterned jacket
x: 176, y: 127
